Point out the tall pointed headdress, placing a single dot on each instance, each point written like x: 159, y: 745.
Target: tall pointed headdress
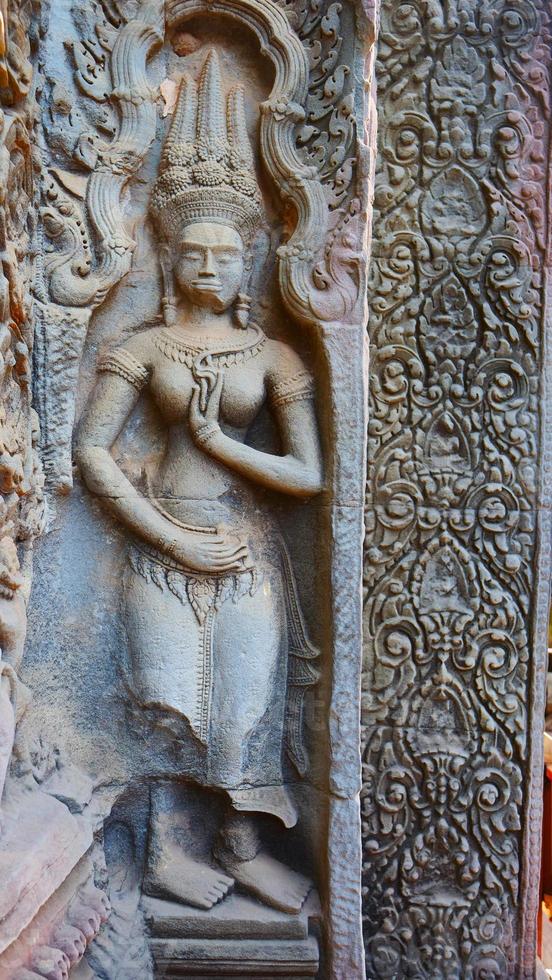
x: 207, y: 171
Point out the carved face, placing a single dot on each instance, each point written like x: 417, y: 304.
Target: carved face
x: 208, y: 268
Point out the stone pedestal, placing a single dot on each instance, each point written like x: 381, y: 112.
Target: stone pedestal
x: 238, y: 938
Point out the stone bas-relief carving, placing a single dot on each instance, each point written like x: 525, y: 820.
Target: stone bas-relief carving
x: 20, y: 478
x: 21, y: 505
x: 97, y: 130
x: 45, y: 875
x: 211, y: 605
x: 454, y: 606
x: 199, y: 641
x: 59, y: 935
x: 451, y: 787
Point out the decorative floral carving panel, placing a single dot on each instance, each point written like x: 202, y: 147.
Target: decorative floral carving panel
x: 457, y: 293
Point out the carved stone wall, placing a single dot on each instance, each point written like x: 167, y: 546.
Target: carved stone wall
x: 20, y: 472
x: 49, y: 908
x: 458, y: 530
x: 458, y: 510
x: 21, y: 504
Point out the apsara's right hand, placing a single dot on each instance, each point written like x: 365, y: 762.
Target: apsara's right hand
x: 211, y: 553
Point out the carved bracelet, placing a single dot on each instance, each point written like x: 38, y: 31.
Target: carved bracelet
x: 206, y: 432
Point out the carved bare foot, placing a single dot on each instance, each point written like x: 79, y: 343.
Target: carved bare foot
x: 184, y: 880
x: 271, y: 881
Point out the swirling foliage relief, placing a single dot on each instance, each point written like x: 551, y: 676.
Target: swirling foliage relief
x: 456, y: 321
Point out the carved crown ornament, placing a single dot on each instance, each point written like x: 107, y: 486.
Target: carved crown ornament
x: 319, y: 268
x: 207, y: 162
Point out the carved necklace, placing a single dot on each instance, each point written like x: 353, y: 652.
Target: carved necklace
x: 173, y: 346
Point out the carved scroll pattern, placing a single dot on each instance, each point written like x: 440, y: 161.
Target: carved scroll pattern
x: 328, y: 139
x: 93, y: 149
x: 456, y: 332
x: 110, y: 64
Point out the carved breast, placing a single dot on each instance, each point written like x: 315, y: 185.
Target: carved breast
x: 243, y: 392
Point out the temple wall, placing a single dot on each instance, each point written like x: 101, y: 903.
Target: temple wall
x: 417, y: 281
x: 50, y: 908
x: 177, y: 597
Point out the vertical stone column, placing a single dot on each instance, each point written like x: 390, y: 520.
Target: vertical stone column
x: 457, y: 551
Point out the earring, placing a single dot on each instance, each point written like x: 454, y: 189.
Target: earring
x: 242, y: 309
x: 168, y: 303
x: 169, y: 311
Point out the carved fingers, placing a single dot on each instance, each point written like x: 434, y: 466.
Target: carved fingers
x: 204, y: 409
x: 87, y: 912
x: 50, y: 963
x: 212, y: 553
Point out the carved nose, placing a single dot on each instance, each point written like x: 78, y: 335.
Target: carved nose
x: 208, y: 268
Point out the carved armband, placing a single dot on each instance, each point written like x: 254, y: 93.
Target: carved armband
x: 296, y: 388
x: 123, y: 363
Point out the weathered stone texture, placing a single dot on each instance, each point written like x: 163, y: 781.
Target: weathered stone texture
x: 149, y: 649
x: 20, y: 475
x: 49, y: 908
x: 457, y: 492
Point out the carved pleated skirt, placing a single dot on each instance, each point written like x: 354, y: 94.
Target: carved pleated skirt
x: 228, y: 654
